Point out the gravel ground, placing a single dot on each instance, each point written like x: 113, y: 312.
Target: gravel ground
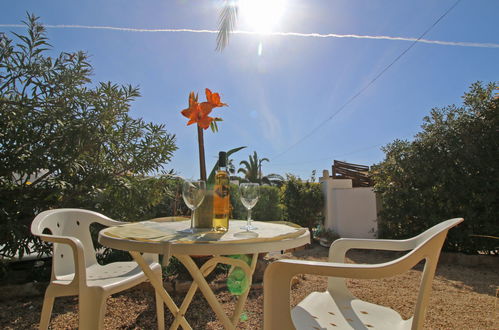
x: 462, y: 298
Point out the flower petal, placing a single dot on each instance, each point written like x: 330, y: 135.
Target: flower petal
x: 186, y: 112
x: 205, y: 108
x: 214, y: 98
x: 208, y: 94
x: 193, y: 99
x: 205, y: 122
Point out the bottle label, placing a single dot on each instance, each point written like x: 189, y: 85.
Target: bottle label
x: 222, y: 190
x: 221, y: 202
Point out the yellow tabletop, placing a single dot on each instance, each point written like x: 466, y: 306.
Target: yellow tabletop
x: 149, y: 236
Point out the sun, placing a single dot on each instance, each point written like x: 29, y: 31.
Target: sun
x: 262, y: 15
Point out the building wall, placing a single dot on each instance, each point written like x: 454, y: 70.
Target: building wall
x: 350, y: 212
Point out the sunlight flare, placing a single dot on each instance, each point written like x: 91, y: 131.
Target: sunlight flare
x: 262, y: 15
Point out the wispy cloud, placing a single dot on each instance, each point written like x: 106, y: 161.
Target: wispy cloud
x: 282, y: 34
x: 271, y: 127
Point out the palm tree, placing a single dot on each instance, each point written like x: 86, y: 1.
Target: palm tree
x: 231, y: 167
x: 227, y: 21
x: 252, y: 171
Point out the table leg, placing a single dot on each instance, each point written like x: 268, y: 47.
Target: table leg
x: 200, y: 281
x: 190, y: 294
x: 158, y: 286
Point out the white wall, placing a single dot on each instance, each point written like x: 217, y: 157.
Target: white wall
x: 351, y: 212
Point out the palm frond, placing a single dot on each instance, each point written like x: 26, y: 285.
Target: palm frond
x: 226, y: 24
x: 245, y: 163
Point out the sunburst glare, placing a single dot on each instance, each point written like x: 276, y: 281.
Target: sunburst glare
x: 262, y: 15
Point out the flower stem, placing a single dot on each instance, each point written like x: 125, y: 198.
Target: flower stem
x: 202, y: 163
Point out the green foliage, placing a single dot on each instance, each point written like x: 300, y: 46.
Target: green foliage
x: 267, y: 208
x: 141, y: 198
x: 67, y: 143
x: 451, y: 169
x: 252, y: 171
x: 302, y: 201
x: 273, y: 180
x: 323, y: 233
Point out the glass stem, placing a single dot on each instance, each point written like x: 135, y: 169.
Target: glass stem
x: 192, y: 219
x: 249, y: 218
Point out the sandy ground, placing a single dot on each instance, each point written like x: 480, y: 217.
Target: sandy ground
x: 462, y: 298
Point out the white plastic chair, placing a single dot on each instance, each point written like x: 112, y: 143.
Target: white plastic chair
x: 75, y: 270
x: 337, y: 308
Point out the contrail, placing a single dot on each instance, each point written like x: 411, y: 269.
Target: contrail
x: 285, y: 34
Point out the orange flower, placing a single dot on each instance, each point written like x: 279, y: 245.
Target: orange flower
x: 198, y: 112
x: 214, y: 99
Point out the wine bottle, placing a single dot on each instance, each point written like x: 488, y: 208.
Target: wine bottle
x: 221, y: 198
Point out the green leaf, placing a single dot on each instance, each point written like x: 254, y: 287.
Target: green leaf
x: 214, y: 127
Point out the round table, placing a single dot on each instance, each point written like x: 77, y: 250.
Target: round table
x: 165, y: 236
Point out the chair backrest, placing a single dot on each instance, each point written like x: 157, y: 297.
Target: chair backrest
x: 425, y: 246
x: 67, y: 223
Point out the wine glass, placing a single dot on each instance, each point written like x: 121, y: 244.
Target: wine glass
x: 193, y: 192
x: 249, y: 197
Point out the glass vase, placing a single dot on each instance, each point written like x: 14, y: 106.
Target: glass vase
x: 203, y: 217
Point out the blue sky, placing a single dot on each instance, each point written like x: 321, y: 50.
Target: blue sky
x: 281, y: 96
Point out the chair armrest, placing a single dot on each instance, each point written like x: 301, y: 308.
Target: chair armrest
x: 78, y: 253
x: 339, y: 248
x: 289, y: 268
x: 278, y: 275
x: 108, y: 222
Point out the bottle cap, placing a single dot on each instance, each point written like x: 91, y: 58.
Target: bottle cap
x: 222, y: 159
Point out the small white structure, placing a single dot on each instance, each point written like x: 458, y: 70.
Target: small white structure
x: 350, y: 212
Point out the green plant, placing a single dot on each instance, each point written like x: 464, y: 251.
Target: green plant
x: 319, y: 231
x: 326, y: 234
x: 267, y: 208
x: 302, y: 201
x: 451, y: 169
x: 252, y: 171
x: 65, y: 142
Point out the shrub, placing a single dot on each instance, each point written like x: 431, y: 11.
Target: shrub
x: 66, y: 143
x: 267, y: 208
x: 303, y: 202
x: 325, y: 235
x: 451, y: 169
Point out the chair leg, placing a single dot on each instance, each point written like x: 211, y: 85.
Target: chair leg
x: 92, y: 309
x: 48, y: 303
x: 160, y: 307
